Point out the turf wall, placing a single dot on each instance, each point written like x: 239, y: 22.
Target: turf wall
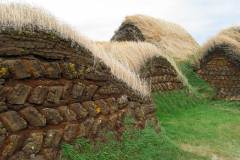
x: 53, y: 90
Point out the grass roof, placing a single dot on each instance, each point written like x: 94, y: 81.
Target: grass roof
x: 134, y: 54
x: 20, y: 15
x: 229, y: 37
x: 131, y: 54
x: 171, y: 38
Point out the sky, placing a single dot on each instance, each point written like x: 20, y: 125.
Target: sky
x: 98, y: 19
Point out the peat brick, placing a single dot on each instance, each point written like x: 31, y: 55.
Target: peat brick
x: 68, y: 70
x: 164, y: 87
x: 11, y: 51
x: 96, y: 126
x: 33, y: 117
x: 109, y: 90
x: 4, y: 92
x: 3, y: 107
x: 53, y: 70
x: 52, y: 115
x: 40, y: 157
x: 54, y: 94
x: 95, y: 75
x: 77, y: 91
x: 148, y: 108
x: 19, y: 94
x: 19, y: 156
x: 122, y: 101
x: 53, y: 138
x: 85, y: 127
x: 139, y: 114
x: 91, y: 108
x: 160, y: 88
x: 70, y: 132
x: 13, y: 121
x: 112, y: 103
x: 50, y: 153
x: 80, y: 111
x: 120, y: 118
x: 15, y: 143
x: 34, y: 143
x: 67, y: 114
x: 122, y: 115
x: 38, y: 95
x: 29, y: 44
x: 102, y: 105
x: 50, y: 55
x: 90, y: 90
x: 66, y: 90
x: 36, y: 69
x: 112, y: 121
x: 17, y: 69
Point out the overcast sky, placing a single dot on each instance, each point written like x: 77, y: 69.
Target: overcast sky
x: 98, y: 19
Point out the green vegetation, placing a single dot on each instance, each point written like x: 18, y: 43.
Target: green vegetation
x: 210, y: 130
x: 200, y: 125
x: 193, y: 127
x: 137, y: 144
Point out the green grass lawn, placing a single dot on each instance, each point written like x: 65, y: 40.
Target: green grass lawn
x: 209, y: 129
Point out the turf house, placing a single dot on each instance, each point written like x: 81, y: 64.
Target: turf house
x: 219, y: 63
x: 56, y: 85
x: 173, y: 42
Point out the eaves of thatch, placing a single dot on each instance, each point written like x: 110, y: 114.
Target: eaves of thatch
x: 226, y: 43
x: 171, y: 38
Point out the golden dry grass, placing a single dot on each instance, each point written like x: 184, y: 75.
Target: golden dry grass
x: 230, y: 36
x: 170, y: 37
x: 134, y: 54
x: 18, y: 15
x: 130, y: 53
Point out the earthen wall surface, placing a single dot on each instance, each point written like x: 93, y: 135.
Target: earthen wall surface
x: 160, y: 74
x: 53, y: 90
x: 221, y: 71
x: 128, y: 32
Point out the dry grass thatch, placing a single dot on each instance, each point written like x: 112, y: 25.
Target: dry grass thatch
x: 134, y: 54
x: 131, y: 54
x: 170, y: 37
x: 229, y: 37
x: 19, y: 15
